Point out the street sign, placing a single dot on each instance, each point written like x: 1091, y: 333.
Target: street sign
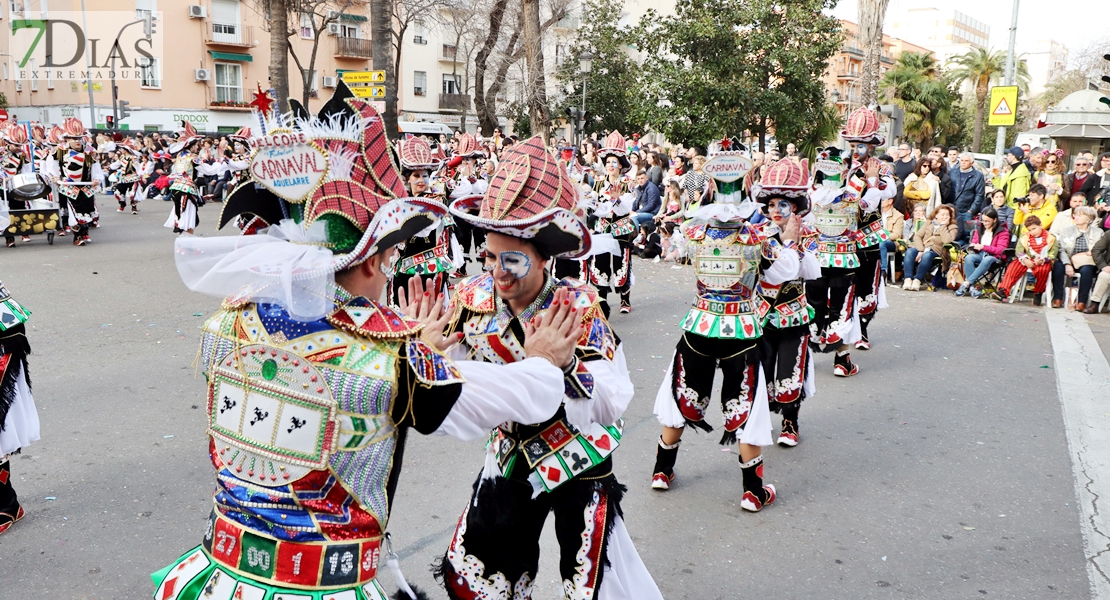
x: 370, y: 91
x: 364, y: 77
x: 1003, y: 106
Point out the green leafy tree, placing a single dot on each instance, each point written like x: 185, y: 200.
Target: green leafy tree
x: 720, y: 67
x: 983, y: 68
x: 612, y: 94
x: 916, y: 85
x: 819, y: 132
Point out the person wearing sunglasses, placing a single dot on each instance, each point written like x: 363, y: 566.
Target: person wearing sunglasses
x: 1051, y: 176
x: 1082, y: 180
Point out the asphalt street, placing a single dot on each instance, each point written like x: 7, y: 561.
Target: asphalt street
x: 941, y: 471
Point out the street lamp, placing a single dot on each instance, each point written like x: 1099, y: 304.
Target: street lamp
x: 585, y: 63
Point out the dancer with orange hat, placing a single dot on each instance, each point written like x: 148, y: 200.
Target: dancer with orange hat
x: 75, y: 183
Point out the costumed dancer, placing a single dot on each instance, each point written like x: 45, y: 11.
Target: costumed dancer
x: 433, y: 251
x: 610, y: 272
x: 128, y: 186
x: 785, y: 343
x: 469, y: 181
x: 14, y: 163
x: 75, y: 182
x: 563, y: 465
x: 872, y: 181
x: 183, y: 191
x: 19, y: 420
x: 313, y: 386
x: 722, y: 331
x: 240, y: 158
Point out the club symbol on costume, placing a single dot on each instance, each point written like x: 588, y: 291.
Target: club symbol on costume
x: 228, y: 405
x: 297, y: 424
x: 212, y: 583
x: 578, y: 463
x: 727, y: 330
x: 259, y: 416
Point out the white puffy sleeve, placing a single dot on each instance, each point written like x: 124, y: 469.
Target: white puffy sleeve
x: 612, y: 391
x: 528, y: 392
x: 785, y: 268
x: 874, y: 196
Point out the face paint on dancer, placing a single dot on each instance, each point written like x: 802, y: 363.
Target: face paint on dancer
x: 418, y: 182
x: 861, y: 151
x: 782, y: 211
x: 612, y: 165
x: 516, y: 263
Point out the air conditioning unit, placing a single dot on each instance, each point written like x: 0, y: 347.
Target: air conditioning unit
x: 202, y: 74
x: 333, y: 28
x: 333, y: 15
x: 329, y: 82
x: 197, y: 11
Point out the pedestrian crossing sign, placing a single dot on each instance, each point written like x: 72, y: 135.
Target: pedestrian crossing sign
x: 1003, y: 106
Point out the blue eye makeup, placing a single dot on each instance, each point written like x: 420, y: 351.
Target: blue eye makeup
x: 516, y: 263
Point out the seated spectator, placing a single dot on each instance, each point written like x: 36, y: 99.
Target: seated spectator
x: 894, y: 224
x: 911, y: 226
x: 1075, y: 256
x: 928, y: 243
x: 1064, y: 220
x: 1101, y: 253
x: 1036, y: 251
x: 989, y: 242
x: 1035, y: 204
x: 647, y: 202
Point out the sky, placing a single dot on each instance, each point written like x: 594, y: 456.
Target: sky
x: 1075, y: 23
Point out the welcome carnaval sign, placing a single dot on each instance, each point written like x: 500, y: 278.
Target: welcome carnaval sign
x: 288, y: 164
x: 727, y: 167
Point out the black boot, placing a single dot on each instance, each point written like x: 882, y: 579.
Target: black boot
x: 843, y: 366
x: 10, y: 510
x: 756, y: 495
x: 665, y: 457
x: 626, y: 302
x: 789, y: 435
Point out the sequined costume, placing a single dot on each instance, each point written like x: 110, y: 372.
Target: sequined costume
x: 183, y: 190
x: 19, y: 420
x: 75, y: 185
x: 611, y: 215
x: 128, y: 187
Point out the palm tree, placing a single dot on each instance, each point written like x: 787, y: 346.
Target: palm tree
x: 871, y: 14
x: 982, y: 68
x: 916, y: 85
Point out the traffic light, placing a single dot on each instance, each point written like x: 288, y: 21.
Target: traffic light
x: 124, y: 109
x: 149, y: 23
x: 110, y: 121
x: 897, y: 116
x: 1105, y: 78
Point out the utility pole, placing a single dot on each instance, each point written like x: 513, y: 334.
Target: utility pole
x: 88, y: 67
x: 1000, y: 141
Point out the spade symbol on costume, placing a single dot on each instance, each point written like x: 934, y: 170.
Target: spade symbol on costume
x: 7, y: 318
x: 259, y: 416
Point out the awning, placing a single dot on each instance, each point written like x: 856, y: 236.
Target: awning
x: 235, y: 56
x: 352, y: 18
x: 1088, y: 131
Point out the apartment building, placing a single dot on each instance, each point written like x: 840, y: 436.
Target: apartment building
x: 844, y: 78
x: 1045, y: 59
x: 215, y: 54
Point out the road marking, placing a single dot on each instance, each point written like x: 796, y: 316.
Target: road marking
x: 1082, y: 375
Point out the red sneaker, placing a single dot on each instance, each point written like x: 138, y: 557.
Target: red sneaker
x: 661, y: 482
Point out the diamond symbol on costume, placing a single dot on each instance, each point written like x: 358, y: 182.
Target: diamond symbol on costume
x: 554, y: 474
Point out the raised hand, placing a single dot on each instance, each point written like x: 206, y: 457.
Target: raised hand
x: 554, y: 334
x: 425, y: 304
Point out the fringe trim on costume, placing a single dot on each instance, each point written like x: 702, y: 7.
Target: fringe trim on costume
x: 729, y: 438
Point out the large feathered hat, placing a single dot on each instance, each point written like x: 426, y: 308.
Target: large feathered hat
x: 38, y: 132
x: 56, y: 135
x: 530, y: 197
x: 615, y: 145
x: 73, y: 128
x: 862, y: 127
x: 242, y: 135
x: 16, y: 134
x: 416, y: 155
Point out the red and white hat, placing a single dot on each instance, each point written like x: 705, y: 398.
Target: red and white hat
x: 416, y: 155
x: 470, y: 147
x: 186, y: 136
x: 530, y: 197
x: 863, y: 127
x: 786, y: 179
x: 242, y: 135
x: 16, y: 134
x: 56, y: 135
x: 73, y: 128
x: 615, y: 145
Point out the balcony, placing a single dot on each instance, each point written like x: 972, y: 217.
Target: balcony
x: 229, y: 34
x: 568, y: 22
x: 848, y: 75
x: 349, y: 47
x: 454, y: 102
x: 449, y: 53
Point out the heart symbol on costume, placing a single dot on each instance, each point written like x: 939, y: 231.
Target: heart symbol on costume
x: 603, y: 442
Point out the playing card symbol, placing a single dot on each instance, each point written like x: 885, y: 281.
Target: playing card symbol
x: 603, y: 442
x: 7, y: 318
x: 554, y: 474
x: 259, y: 416
x: 297, y: 424
x: 577, y: 462
x: 727, y: 330
x: 228, y: 404
x: 749, y: 327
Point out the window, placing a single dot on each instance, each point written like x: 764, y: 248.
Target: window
x: 307, y: 30
x: 18, y: 7
x: 150, y: 74
x: 225, y: 21
x: 145, y: 7
x: 420, y: 83
x: 450, y: 51
x: 450, y: 85
x: 49, y: 79
x: 349, y: 31
x: 5, y: 71
x: 419, y: 33
x: 229, y: 82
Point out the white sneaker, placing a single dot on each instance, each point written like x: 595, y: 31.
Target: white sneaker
x: 908, y: 284
x: 916, y: 285
x: 655, y: 260
x: 676, y: 266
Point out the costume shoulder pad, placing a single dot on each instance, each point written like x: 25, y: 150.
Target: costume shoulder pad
x: 431, y: 367
x: 475, y: 293
x: 369, y: 319
x: 695, y: 233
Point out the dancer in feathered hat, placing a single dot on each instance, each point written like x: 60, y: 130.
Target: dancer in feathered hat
x: 313, y: 385
x: 469, y: 180
x: 15, y: 161
x: 612, y: 272
x: 128, y: 187
x: 564, y: 464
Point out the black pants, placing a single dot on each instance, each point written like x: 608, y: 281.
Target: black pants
x: 1087, y: 274
x: 833, y: 298
x: 868, y: 279
x: 696, y: 361
x: 784, y: 354
x: 613, y: 272
x: 501, y: 526
x: 465, y: 232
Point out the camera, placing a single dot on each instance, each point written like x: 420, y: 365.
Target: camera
x: 1022, y: 200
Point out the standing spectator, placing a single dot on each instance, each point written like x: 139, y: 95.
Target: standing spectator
x: 1082, y: 180
x: 968, y: 187
x: 1075, y: 256
x: 904, y: 163
x: 988, y: 246
x: 928, y: 243
x: 1016, y: 182
x: 953, y: 158
x: 695, y: 183
x: 1035, y: 204
x: 923, y: 187
x: 1036, y: 250
x: 647, y: 202
x: 940, y: 169
x: 1101, y: 253
x: 1051, y: 175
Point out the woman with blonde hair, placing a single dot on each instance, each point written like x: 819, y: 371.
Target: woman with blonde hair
x: 928, y: 243
x: 923, y: 186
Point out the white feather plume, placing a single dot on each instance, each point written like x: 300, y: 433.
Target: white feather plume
x: 336, y: 126
x: 340, y: 164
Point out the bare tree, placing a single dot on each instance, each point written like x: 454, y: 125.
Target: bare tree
x: 538, y: 112
x: 318, y: 14
x: 459, y: 25
x: 871, y: 16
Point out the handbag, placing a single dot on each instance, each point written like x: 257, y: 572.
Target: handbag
x: 1082, y: 260
x: 955, y: 277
